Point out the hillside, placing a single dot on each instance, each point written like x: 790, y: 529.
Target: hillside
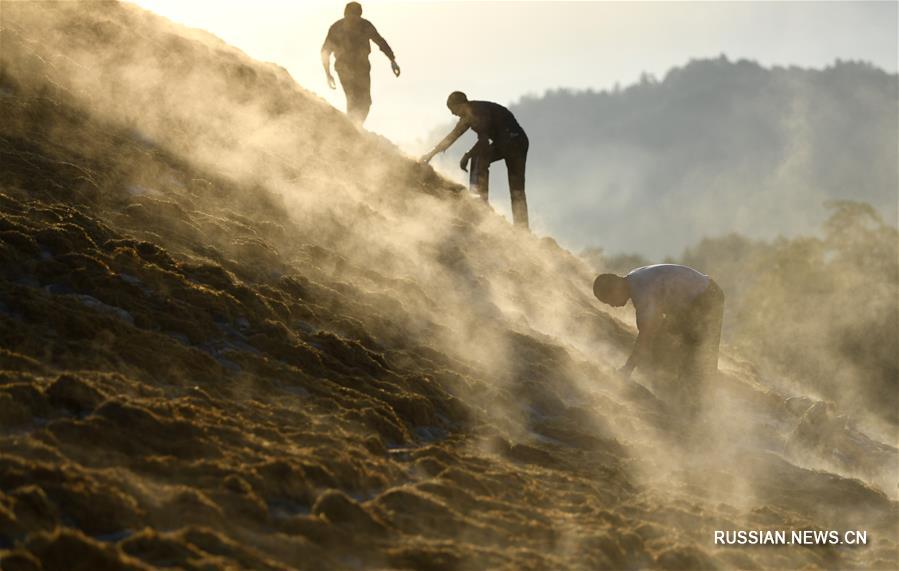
x: 713, y: 147
x: 235, y: 332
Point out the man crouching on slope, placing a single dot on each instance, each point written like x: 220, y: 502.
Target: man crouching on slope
x: 500, y: 137
x: 679, y: 315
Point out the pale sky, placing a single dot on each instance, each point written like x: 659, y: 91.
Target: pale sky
x: 500, y: 51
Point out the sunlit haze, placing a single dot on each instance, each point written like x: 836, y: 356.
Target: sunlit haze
x: 502, y: 50
x: 239, y: 332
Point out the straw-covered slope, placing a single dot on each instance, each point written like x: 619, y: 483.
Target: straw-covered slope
x: 235, y: 332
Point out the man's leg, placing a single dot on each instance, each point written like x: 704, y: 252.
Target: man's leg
x: 687, y: 384
x: 480, y: 169
x: 702, y: 335
x: 363, y: 96
x: 516, y: 161
x: 663, y: 366
x: 712, y: 307
x: 356, y: 82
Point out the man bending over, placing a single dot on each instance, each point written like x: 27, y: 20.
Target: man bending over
x: 675, y: 305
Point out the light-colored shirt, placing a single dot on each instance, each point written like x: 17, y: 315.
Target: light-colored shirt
x: 663, y: 289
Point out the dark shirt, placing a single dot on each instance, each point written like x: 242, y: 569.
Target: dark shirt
x: 490, y: 121
x: 348, y: 40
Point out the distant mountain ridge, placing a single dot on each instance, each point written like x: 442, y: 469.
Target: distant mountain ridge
x: 717, y: 146
x: 236, y: 332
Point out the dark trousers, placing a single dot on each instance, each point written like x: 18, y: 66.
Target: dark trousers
x: 513, y: 150
x: 700, y: 333
x: 355, y: 78
x: 685, y: 353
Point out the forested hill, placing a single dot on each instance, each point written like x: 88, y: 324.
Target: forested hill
x: 236, y: 332
x: 716, y: 146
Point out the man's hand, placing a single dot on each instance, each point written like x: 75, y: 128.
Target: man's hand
x: 331, y: 82
x: 463, y: 164
x: 395, y: 67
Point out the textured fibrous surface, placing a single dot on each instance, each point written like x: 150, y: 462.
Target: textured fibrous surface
x: 237, y: 333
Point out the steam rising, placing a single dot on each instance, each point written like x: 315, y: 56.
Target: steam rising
x: 507, y: 358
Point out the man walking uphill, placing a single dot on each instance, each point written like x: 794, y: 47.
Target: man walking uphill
x: 499, y: 137
x: 679, y: 314
x: 348, y: 39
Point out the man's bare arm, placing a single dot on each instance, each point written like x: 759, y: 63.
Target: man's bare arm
x: 645, y: 338
x: 448, y: 141
x: 382, y: 44
x: 326, y: 65
x: 379, y: 40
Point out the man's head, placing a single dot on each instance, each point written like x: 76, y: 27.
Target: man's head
x: 611, y: 289
x: 353, y: 10
x: 456, y: 102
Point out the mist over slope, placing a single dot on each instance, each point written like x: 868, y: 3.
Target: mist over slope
x: 817, y: 312
x: 714, y: 147
x: 235, y: 332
